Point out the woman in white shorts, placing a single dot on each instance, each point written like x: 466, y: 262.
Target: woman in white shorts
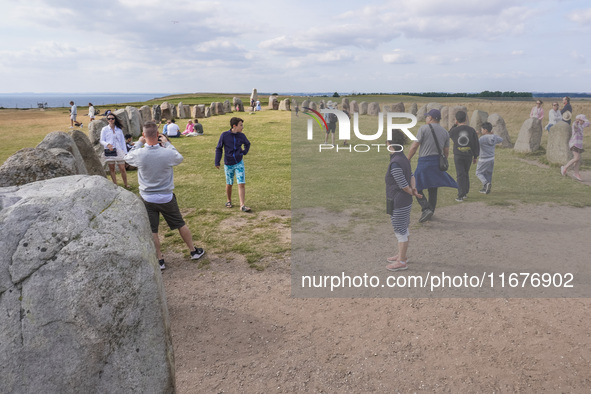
x: 112, y: 139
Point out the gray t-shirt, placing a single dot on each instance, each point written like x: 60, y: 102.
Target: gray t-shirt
x: 425, y: 137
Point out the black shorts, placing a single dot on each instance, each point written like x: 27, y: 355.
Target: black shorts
x: 169, y: 210
x: 332, y: 127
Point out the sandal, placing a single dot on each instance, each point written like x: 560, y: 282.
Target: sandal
x: 228, y: 204
x: 398, y: 266
x: 244, y: 208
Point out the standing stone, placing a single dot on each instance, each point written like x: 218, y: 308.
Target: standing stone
x: 353, y: 107
x: 363, y: 108
x: 345, y: 105
x: 477, y: 119
x: 166, y: 109
x: 452, y: 114
x: 284, y: 105
x: 273, y: 103
x: 373, y: 109
x: 207, y: 112
x: 313, y: 106
x: 145, y: 114
x: 529, y: 137
x: 444, y: 122
x: 121, y: 115
x: 254, y: 95
x: 198, y: 111
x: 26, y: 166
x: 83, y: 306
x: 157, y: 113
x: 180, y: 111
x: 558, y: 151
x: 500, y: 129
x: 219, y: 108
x: 94, y: 131
x: 398, y: 107
x: 422, y: 113
x: 387, y: 108
x: 431, y: 106
x: 91, y: 160
x: 59, y: 139
x: 413, y: 109
x: 322, y: 104
x: 305, y: 104
x: 227, y: 107
x: 237, y: 102
x: 135, y: 124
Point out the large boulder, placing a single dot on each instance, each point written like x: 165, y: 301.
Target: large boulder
x: 313, y: 106
x: 59, y: 139
x: 353, y: 107
x: 145, y: 114
x: 123, y: 117
x: 558, y: 151
x: 431, y: 106
x: 273, y: 103
x: 207, y: 112
x: 135, y: 121
x: 82, y: 301
x: 227, y: 107
x: 238, y: 105
x: 254, y: 95
x: 284, y: 105
x: 500, y: 128
x: 422, y: 113
x: 91, y: 159
x: 305, y: 104
x: 373, y: 109
x: 157, y: 112
x: 529, y: 137
x: 444, y: 122
x: 363, y: 108
x: 166, y: 111
x: 198, y: 111
x: 398, y: 107
x: 94, y: 131
x: 413, y: 109
x: 31, y: 165
x: 345, y: 105
x: 477, y: 119
x: 181, y: 110
x: 452, y: 114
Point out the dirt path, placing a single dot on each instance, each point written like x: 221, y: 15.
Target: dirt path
x: 238, y: 330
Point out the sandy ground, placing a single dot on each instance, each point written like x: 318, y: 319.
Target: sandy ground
x: 239, y: 330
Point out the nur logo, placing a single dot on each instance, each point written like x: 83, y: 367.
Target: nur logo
x: 345, y: 124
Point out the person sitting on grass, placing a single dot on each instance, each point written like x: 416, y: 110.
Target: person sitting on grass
x: 189, y: 129
x: 230, y: 145
x: 486, y: 161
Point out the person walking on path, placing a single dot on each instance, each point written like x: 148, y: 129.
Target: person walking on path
x: 233, y: 145
x: 155, y: 157
x: 486, y: 162
x: 466, y: 151
x: 576, y: 146
x: 433, y: 141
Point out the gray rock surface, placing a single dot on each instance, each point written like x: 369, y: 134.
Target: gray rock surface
x: 180, y: 110
x: 500, y: 129
x: 398, y: 107
x: 156, y: 112
x: 558, y: 151
x: 237, y: 102
x: 529, y: 137
x: 363, y: 108
x: 345, y: 106
x: 81, y: 297
x: 413, y: 109
x: 227, y: 107
x: 166, y: 111
x: 145, y: 115
x: 123, y: 117
x: 59, y: 139
x: 254, y: 95
x: 444, y: 117
x: 135, y: 121
x: 285, y: 105
x: 422, y: 113
x: 373, y: 109
x: 452, y: 114
x: 92, y: 161
x: 353, y: 107
x: 207, y: 112
x: 31, y: 165
x: 305, y: 104
x: 273, y: 103
x: 477, y: 119
x: 198, y: 111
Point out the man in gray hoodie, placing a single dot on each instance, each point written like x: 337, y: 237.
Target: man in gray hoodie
x: 155, y: 157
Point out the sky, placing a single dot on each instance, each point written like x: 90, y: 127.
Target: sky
x: 295, y: 46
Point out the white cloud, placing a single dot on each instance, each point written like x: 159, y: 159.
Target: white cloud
x: 398, y: 56
x: 582, y: 17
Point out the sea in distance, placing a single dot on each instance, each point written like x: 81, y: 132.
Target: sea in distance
x: 57, y: 100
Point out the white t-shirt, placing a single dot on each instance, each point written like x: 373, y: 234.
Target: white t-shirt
x: 173, y: 130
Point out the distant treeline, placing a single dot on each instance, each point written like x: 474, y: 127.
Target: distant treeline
x: 486, y: 93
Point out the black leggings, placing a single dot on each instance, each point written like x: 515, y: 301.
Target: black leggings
x: 431, y: 202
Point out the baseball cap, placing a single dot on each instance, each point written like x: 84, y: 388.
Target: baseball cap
x: 435, y: 114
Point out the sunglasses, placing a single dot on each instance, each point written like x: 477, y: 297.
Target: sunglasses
x: 110, y: 118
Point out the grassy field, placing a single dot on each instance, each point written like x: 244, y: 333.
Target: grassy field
x: 333, y: 180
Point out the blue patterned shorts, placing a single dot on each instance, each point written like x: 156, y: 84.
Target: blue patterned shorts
x: 238, y: 169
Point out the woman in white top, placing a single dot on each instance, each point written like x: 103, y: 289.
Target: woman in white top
x: 90, y: 112
x: 553, y: 116
x: 112, y: 139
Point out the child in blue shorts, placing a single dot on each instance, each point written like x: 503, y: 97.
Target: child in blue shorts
x: 234, y: 145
